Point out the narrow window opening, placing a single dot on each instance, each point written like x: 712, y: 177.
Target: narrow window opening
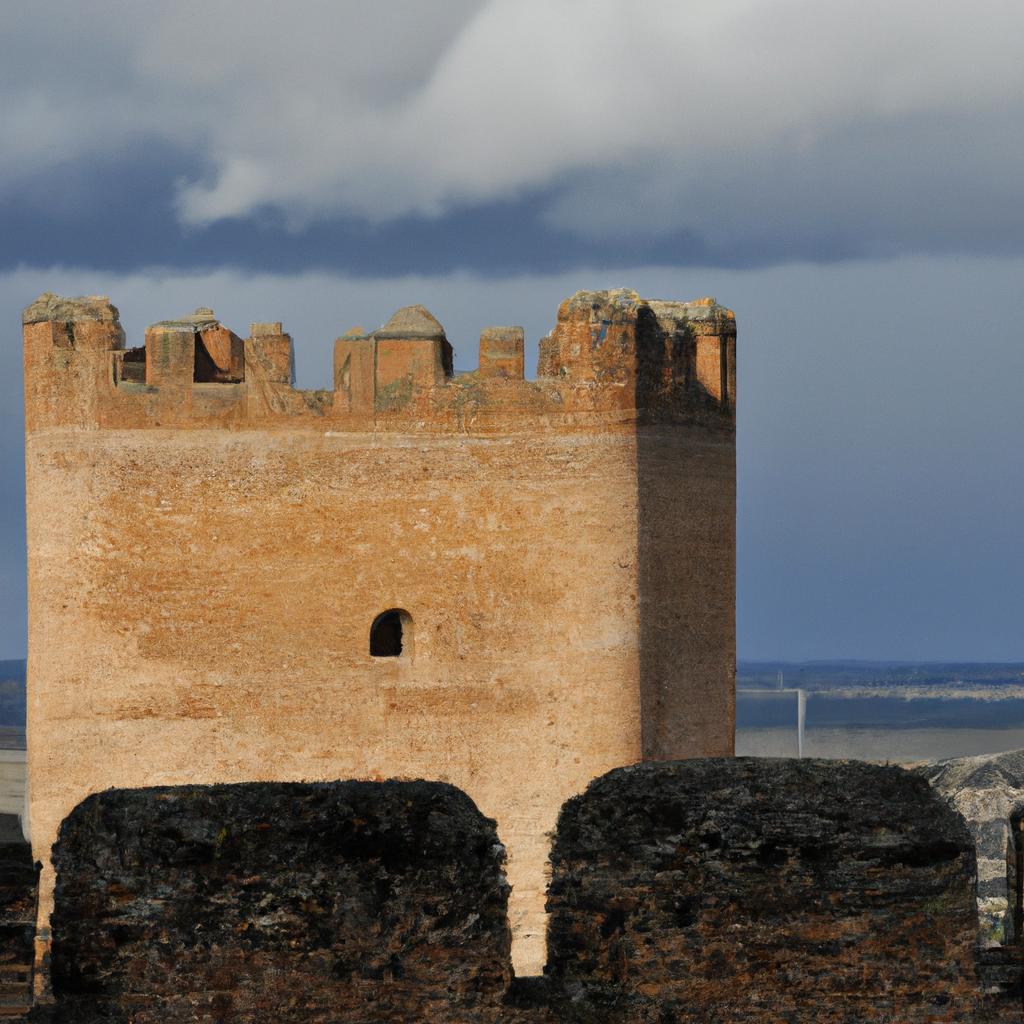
x: 391, y: 634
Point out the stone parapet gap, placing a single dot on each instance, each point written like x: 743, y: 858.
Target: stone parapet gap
x: 713, y: 891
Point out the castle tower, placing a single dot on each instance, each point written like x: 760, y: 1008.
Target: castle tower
x: 509, y: 585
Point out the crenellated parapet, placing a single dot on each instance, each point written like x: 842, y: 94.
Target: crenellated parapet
x: 609, y: 352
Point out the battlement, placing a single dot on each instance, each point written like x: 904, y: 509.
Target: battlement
x: 609, y: 353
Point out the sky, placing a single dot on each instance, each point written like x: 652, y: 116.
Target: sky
x: 847, y: 175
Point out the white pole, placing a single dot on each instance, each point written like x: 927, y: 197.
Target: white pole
x: 801, y: 716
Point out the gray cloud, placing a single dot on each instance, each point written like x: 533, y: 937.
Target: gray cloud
x: 788, y: 128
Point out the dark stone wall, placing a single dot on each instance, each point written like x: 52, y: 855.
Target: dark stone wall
x: 274, y: 902
x: 19, y: 879
x: 744, y: 890
x: 727, y: 891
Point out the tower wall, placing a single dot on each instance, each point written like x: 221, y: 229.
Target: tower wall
x: 206, y: 558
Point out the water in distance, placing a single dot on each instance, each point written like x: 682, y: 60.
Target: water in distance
x: 881, y: 711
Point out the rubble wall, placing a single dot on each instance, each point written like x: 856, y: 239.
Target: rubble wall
x: 288, y: 903
x: 19, y: 877
x: 697, y: 892
x: 749, y: 891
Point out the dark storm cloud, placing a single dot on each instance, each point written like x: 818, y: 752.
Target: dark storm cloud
x: 120, y: 216
x: 509, y: 134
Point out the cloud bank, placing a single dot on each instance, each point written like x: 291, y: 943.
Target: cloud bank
x: 763, y: 130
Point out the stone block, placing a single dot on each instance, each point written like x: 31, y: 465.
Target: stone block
x: 753, y: 891
x: 354, y: 374
x: 225, y: 352
x: 711, y: 366
x: 502, y: 352
x: 411, y: 351
x: 170, y: 356
x: 272, y: 355
x: 349, y: 901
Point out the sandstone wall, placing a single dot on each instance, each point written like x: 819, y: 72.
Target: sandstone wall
x: 208, y: 548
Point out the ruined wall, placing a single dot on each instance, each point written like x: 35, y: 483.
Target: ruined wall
x: 18, y: 887
x: 747, y: 890
x: 280, y: 902
x: 208, y: 548
x: 701, y: 892
x: 988, y: 790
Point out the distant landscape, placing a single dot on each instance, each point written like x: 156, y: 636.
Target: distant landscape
x: 829, y: 675
x: 894, y: 695
x: 12, y: 693
x: 889, y: 711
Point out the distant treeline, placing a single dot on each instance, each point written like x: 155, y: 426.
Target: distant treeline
x: 831, y: 675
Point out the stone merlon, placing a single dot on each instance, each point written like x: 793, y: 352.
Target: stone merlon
x: 610, y: 353
x: 49, y: 307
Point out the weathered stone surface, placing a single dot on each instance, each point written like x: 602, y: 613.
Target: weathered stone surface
x: 674, y: 356
x: 702, y: 892
x: 741, y: 891
x: 502, y: 352
x: 18, y: 886
x: 988, y: 790
x: 51, y: 307
x: 202, y: 318
x: 271, y: 329
x: 279, y: 903
x: 412, y: 322
x: 1001, y: 978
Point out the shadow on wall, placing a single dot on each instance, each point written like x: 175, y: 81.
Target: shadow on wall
x: 710, y: 890
x: 685, y: 396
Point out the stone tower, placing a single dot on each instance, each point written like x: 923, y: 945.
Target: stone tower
x: 511, y: 585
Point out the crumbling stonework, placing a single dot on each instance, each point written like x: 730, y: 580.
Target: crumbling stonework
x: 741, y: 891
x: 988, y: 790
x: 283, y: 903
x: 18, y: 887
x: 209, y: 547
x: 702, y: 892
